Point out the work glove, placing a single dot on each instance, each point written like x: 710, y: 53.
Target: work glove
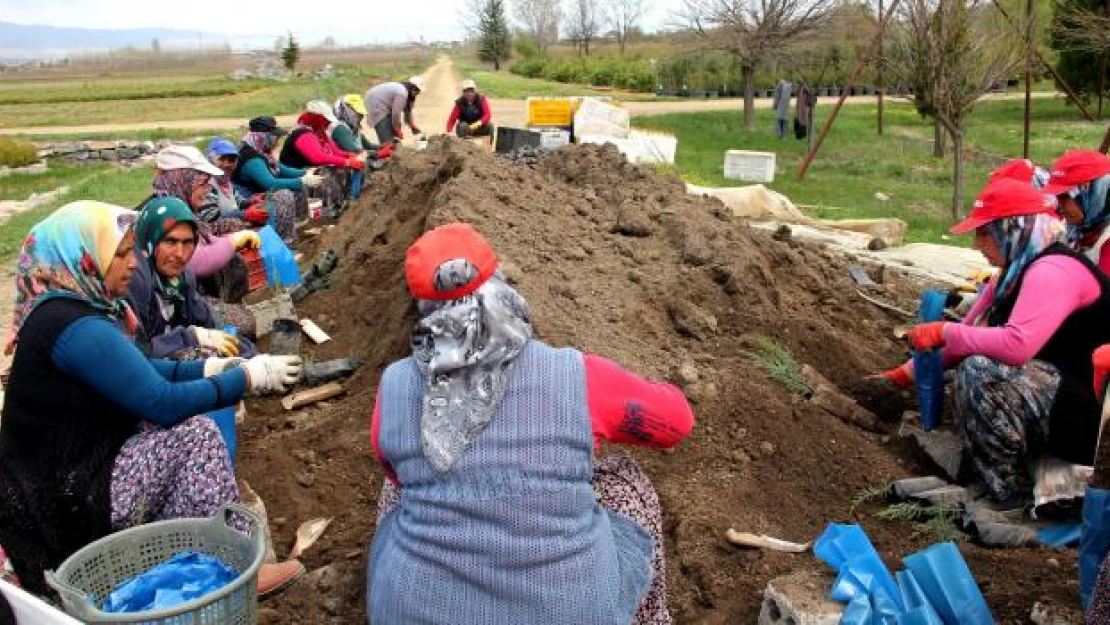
x: 475, y: 125
x: 222, y: 342
x: 216, y: 366
x: 400, y: 132
x: 927, y: 336
x: 900, y: 376
x: 312, y: 180
x: 1101, y: 359
x: 355, y: 163
x: 256, y: 214
x: 385, y: 151
x: 266, y: 373
x: 244, y: 240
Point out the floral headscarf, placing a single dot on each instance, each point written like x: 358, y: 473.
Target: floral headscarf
x: 1020, y: 239
x: 263, y: 143
x: 156, y: 219
x: 465, y: 349
x: 66, y: 255
x: 1093, y: 199
x: 179, y: 183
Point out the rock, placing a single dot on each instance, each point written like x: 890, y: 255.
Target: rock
x: 877, y: 244
x: 148, y: 147
x: 333, y: 606
x: 129, y: 153
x: 696, y: 250
x: 882, y: 197
x: 800, y: 598
x: 633, y: 220
x: 1053, y: 562
x: 687, y: 373
x: 690, y: 320
x: 766, y: 448
x: 511, y: 271
x: 576, y: 253
x: 783, y: 233
x: 109, y: 155
x: 306, y: 479
x: 81, y: 156
x: 636, y: 276
x: 739, y: 457
x: 268, y: 616
x: 324, y: 578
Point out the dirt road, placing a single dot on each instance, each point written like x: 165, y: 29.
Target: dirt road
x: 434, y: 105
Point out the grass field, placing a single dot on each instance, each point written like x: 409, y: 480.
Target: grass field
x: 855, y: 163
x: 503, y: 84
x: 21, y: 186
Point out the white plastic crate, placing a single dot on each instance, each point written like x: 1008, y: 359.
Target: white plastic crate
x: 553, y: 138
x: 750, y: 166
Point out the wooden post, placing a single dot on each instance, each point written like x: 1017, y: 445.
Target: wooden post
x: 860, y: 63
x: 880, y: 71
x: 1029, y: 45
x: 1105, y: 147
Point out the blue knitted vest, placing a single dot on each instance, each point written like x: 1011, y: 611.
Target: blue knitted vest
x: 513, y: 533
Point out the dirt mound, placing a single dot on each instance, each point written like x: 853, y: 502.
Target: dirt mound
x: 620, y: 261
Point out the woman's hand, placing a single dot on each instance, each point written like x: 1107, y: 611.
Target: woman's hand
x: 900, y: 376
x: 224, y: 343
x: 272, y: 374
x: 245, y: 240
x: 927, y: 336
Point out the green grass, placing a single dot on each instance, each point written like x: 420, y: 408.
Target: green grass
x: 21, y: 186
x: 781, y: 365
x: 250, y: 98
x: 153, y: 134
x: 855, y: 163
x: 509, y: 86
x: 103, y: 90
x: 125, y: 187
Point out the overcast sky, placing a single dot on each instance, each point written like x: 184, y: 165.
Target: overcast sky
x: 349, y: 22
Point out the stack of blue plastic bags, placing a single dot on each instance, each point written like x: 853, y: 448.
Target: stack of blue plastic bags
x: 937, y: 588
x: 187, y: 576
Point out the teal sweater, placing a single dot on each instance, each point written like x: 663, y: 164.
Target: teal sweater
x: 257, y: 172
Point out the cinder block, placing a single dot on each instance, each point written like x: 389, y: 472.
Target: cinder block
x: 800, y: 598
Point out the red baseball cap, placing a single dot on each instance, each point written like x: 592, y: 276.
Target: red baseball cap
x: 1075, y: 168
x: 1019, y: 169
x: 1001, y: 198
x: 449, y: 262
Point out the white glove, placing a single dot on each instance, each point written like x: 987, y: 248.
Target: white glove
x: 268, y: 373
x: 312, y: 180
x: 216, y: 366
x: 222, y: 342
x: 245, y: 239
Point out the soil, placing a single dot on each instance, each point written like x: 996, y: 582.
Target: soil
x: 620, y: 261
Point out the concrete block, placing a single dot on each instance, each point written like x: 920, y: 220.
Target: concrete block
x: 800, y: 598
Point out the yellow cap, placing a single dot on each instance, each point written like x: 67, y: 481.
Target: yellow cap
x: 355, y: 101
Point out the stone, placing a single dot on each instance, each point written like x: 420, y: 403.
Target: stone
x: 687, y: 373
x: 691, y: 321
x: 766, y: 448
x: 81, y: 156
x: 268, y: 616
x: 783, y: 234
x: 128, y: 153
x: 306, y: 479
x: 800, y: 598
x: 332, y: 606
x: 633, y: 220
x: 324, y: 578
x: 576, y: 253
x: 636, y: 277
x: 148, y: 147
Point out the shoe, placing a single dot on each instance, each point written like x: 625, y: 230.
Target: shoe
x: 275, y: 578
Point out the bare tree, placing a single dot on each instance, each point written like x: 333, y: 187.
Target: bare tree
x: 624, y: 18
x: 583, y: 24
x: 541, y: 20
x: 755, y: 31
x: 1083, y: 30
x: 956, y: 50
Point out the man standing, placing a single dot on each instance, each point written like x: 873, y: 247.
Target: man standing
x: 390, y: 105
x: 781, y: 104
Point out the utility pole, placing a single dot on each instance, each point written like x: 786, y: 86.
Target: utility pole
x: 1030, y: 18
x: 880, y: 71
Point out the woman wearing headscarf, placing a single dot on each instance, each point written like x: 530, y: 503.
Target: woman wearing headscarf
x: 1081, y: 182
x: 310, y: 145
x: 258, y: 172
x: 94, y: 436
x: 488, y: 438
x: 1023, y: 353
x: 175, y: 321
x: 182, y: 172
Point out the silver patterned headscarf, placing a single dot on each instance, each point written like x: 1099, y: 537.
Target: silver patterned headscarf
x: 466, y: 349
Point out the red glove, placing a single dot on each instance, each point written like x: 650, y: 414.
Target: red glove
x: 256, y: 214
x: 399, y: 133
x: 385, y: 151
x: 1101, y: 359
x: 355, y: 163
x: 927, y: 336
x: 900, y: 376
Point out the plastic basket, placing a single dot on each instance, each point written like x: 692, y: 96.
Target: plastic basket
x: 550, y: 111
x: 88, y: 576
x: 256, y: 269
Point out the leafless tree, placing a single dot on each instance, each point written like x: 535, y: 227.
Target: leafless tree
x: 541, y: 20
x: 624, y: 17
x: 1085, y: 30
x: 755, y: 31
x: 953, y: 52
x: 583, y: 24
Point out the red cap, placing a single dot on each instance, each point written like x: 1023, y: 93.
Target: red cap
x: 1001, y: 198
x: 472, y: 260
x: 1019, y: 169
x: 1075, y: 168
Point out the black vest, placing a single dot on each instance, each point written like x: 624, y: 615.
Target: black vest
x: 58, y: 444
x: 290, y: 155
x: 470, y: 112
x: 1073, y: 429
x: 246, y: 153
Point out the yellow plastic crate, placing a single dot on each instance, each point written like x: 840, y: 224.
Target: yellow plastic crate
x: 550, y: 112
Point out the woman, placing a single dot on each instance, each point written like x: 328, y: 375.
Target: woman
x: 94, y: 436
x: 1023, y: 353
x: 259, y: 173
x: 309, y: 145
x: 489, y: 435
x: 471, y: 115
x: 174, y: 320
x: 1080, y: 181
x: 251, y: 209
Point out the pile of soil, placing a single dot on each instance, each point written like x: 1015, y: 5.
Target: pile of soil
x: 618, y: 260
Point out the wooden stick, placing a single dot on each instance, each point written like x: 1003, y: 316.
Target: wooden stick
x: 884, y: 305
x: 314, y: 332
x: 310, y: 396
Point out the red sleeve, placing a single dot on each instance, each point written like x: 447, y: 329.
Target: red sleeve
x: 309, y: 146
x: 1104, y: 257
x: 486, y: 114
x: 453, y: 119
x: 375, y: 428
x: 625, y: 408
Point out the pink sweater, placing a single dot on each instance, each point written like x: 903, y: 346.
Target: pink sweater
x: 1054, y: 287
x: 310, y: 147
x: 211, y: 257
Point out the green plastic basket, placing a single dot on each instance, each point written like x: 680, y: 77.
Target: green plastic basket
x: 88, y: 576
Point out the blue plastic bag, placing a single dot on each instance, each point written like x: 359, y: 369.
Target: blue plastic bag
x: 1094, y: 540
x: 861, y: 571
x: 858, y: 612
x: 186, y: 576
x: 224, y: 419
x: 356, y: 184
x: 281, y: 266
x: 918, y: 609
x: 1060, y: 535
x: 948, y: 584
x: 928, y: 367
